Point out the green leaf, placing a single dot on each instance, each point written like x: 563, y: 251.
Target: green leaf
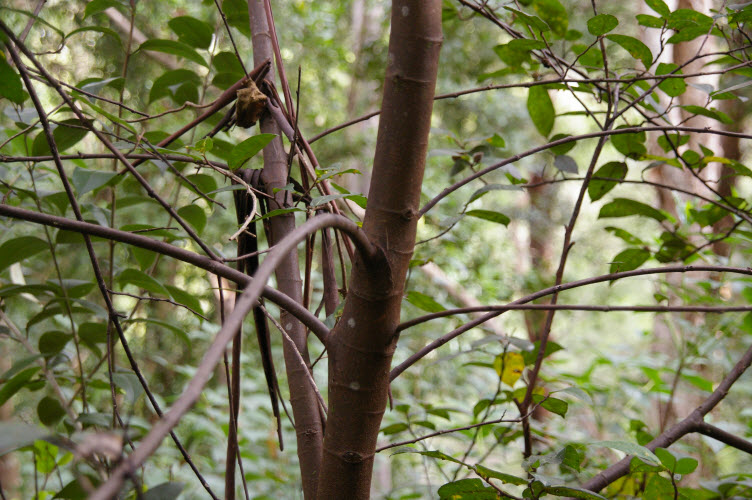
x: 16, y: 383
x: 227, y: 62
x: 659, y: 6
x: 597, y: 188
x: 248, y: 149
x: 424, y: 302
x: 205, y: 183
x: 96, y: 6
x: 18, y: 249
x: 698, y: 381
x: 631, y: 145
x: 601, y: 24
x: 85, y: 180
x: 562, y: 149
x: 530, y: 355
x: 541, y: 109
x: 51, y: 343
x: 191, y: 31
x: 554, y: 14
x: 467, y: 489
x: 185, y: 298
x: 66, y: 134
x: 485, y: 472
x: 141, y: 280
x: 497, y: 141
x: 649, y: 21
x: 572, y: 492
x: 489, y: 215
x: 533, y: 21
x: 659, y: 488
x: 50, y: 411
x: 10, y: 83
x: 359, y: 199
x: 673, y: 87
x: 164, y: 491
x: 669, y: 142
x: 554, y: 405
x: 195, y: 215
x: 710, y: 113
x: 169, y: 82
x: 517, y: 51
x: 688, y: 18
x: 175, y: 48
x: 237, y: 15
x: 629, y: 259
x: 686, y: 465
x: 636, y: 48
x: 623, y: 207
x: 394, y: 428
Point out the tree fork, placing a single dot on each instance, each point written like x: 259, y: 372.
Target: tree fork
x: 361, y: 345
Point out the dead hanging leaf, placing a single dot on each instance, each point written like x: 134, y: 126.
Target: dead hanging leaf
x: 251, y: 104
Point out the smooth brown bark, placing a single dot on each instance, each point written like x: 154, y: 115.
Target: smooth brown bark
x: 305, y: 406
x: 362, y: 343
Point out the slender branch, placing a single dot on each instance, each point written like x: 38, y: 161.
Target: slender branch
x: 68, y: 100
x: 244, y: 303
x: 570, y: 307
x: 581, y: 81
x: 692, y: 423
x: 573, y: 138
x: 555, y: 289
x: 214, y: 267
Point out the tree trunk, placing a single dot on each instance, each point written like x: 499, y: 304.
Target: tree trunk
x: 305, y: 406
x: 362, y: 343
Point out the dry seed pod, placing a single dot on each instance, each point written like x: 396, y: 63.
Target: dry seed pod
x: 251, y: 104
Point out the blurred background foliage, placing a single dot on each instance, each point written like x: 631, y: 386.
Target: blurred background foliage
x: 618, y: 373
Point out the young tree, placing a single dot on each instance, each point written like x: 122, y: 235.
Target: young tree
x: 137, y: 194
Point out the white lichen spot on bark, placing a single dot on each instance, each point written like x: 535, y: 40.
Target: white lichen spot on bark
x: 351, y: 322
x: 354, y: 386
x: 405, y: 10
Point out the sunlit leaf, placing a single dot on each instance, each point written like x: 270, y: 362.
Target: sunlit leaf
x: 509, y: 367
x: 623, y: 207
x: 489, y: 215
x: 635, y: 47
x: 424, y: 302
x: 248, y: 149
x: 601, y: 24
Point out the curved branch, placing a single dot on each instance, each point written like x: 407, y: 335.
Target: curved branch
x: 244, y: 303
x: 693, y: 423
x: 556, y: 289
x: 205, y: 263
